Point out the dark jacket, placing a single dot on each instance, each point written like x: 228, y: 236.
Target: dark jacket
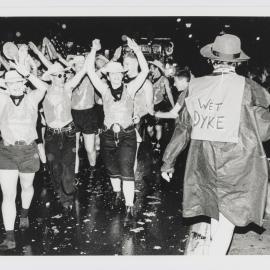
x: 230, y: 178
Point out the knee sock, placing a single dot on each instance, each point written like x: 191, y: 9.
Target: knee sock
x: 116, y: 184
x: 24, y: 213
x: 129, y: 192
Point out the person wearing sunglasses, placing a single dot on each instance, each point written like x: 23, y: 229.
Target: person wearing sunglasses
x: 60, y: 136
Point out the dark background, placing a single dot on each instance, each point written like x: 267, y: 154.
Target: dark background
x: 82, y: 30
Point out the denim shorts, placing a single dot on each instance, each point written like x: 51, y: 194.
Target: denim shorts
x: 119, y: 158
x: 23, y: 158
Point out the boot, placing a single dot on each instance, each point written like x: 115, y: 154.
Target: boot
x: 24, y: 223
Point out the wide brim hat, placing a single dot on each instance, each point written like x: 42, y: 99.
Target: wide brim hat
x: 13, y: 76
x: 76, y: 59
x: 54, y: 69
x: 113, y: 67
x: 158, y: 64
x: 225, y: 48
x: 103, y: 58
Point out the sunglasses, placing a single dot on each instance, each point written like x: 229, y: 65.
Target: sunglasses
x: 61, y: 75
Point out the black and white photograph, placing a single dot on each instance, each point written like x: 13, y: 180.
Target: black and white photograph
x: 134, y: 135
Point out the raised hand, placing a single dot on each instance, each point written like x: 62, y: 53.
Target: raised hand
x: 19, y: 67
x: 117, y: 53
x: 96, y: 44
x: 33, y: 47
x: 133, y: 45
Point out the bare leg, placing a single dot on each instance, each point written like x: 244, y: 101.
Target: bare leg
x: 222, y: 237
x: 89, y: 143
x: 26, y: 180
x: 8, y: 182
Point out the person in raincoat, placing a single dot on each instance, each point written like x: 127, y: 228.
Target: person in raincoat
x: 225, y: 118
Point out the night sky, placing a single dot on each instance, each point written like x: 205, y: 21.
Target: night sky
x: 253, y: 32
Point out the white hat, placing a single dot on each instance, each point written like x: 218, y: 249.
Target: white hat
x: 13, y: 76
x: 158, y: 64
x: 113, y: 67
x: 54, y: 69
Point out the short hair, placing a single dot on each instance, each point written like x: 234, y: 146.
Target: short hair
x: 182, y: 72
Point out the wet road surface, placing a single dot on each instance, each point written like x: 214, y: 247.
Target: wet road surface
x: 94, y: 228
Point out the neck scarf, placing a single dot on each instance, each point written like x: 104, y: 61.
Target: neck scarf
x: 17, y: 99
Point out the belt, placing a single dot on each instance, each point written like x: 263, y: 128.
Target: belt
x: 18, y: 143
x: 116, y: 128
x: 66, y: 128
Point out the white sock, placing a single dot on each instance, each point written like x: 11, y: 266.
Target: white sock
x: 116, y: 184
x: 129, y: 191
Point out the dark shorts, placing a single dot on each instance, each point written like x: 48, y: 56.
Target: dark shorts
x: 23, y: 158
x: 86, y: 121
x: 163, y: 106
x: 119, y: 160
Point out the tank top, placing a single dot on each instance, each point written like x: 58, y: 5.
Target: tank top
x: 18, y: 123
x: 159, y: 90
x: 57, y: 108
x: 83, y: 97
x: 118, y: 111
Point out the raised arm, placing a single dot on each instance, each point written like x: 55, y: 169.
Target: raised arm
x: 136, y: 84
x: 100, y: 86
x: 73, y: 82
x: 41, y: 87
x: 4, y: 63
x: 40, y: 55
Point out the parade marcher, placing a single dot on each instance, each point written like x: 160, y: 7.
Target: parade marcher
x: 118, y: 140
x: 181, y: 81
x: 143, y: 100
x: 227, y: 117
x: 60, y: 136
x: 163, y: 99
x: 18, y: 153
x: 84, y: 116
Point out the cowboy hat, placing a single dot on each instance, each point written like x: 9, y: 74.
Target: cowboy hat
x: 54, y: 69
x: 13, y: 76
x: 103, y: 58
x: 113, y: 67
x: 158, y: 64
x: 225, y: 48
x: 76, y: 59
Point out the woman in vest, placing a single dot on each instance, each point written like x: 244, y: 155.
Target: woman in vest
x: 118, y: 141
x: 18, y: 150
x: 60, y: 136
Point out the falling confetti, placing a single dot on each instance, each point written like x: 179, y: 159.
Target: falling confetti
x: 137, y: 230
x: 149, y: 214
x: 148, y: 220
x: 57, y: 216
x: 86, y: 220
x: 156, y: 247
x: 151, y: 203
x: 153, y: 197
x: 140, y: 223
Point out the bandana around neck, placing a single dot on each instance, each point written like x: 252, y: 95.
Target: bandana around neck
x: 224, y: 69
x: 17, y: 99
x: 117, y: 93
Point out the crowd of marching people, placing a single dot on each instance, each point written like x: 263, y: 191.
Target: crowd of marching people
x: 50, y: 104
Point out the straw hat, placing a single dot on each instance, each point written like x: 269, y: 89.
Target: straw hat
x: 113, y: 67
x: 158, y: 64
x: 13, y: 76
x: 54, y: 69
x: 225, y: 48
